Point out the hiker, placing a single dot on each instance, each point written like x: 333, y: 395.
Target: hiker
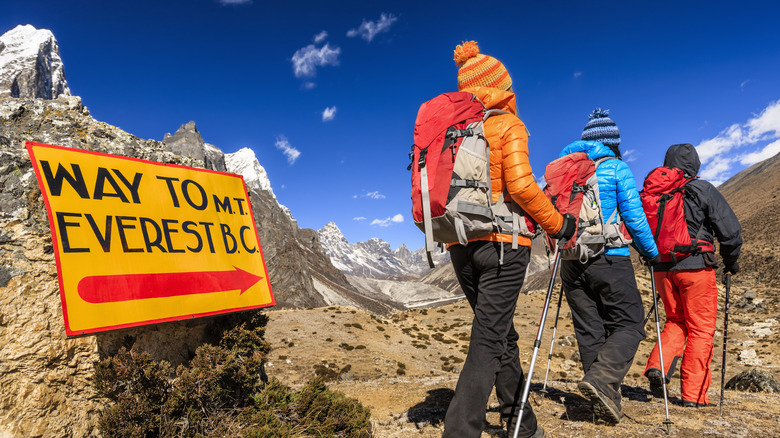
x: 492, y: 285
x: 605, y: 303
x: 688, y: 288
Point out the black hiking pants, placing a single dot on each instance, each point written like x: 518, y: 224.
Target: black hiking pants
x: 607, y: 312
x: 493, y: 359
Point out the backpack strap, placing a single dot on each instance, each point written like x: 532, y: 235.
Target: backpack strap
x: 615, y: 214
x: 426, y: 205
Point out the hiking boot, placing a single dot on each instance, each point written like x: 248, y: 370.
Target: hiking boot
x: 656, y: 379
x: 538, y: 434
x: 690, y: 404
x: 604, y: 408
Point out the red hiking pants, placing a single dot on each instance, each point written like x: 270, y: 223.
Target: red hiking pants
x: 691, y: 303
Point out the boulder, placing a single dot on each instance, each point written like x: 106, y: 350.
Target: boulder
x: 754, y: 380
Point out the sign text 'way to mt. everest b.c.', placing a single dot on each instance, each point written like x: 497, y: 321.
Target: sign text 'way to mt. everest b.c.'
x: 139, y: 242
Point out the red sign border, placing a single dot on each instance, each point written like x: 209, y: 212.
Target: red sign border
x: 74, y: 333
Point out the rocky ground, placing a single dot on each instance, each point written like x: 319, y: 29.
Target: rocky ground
x: 404, y: 367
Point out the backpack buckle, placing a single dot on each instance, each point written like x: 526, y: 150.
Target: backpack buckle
x: 455, y: 133
x: 421, y: 160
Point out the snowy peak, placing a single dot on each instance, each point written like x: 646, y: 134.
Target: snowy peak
x: 30, y: 64
x: 244, y: 162
x: 373, y: 258
x: 331, y: 233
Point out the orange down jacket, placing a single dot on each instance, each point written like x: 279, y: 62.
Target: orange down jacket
x: 509, y: 166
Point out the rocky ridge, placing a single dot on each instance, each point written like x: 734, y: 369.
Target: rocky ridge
x: 46, y: 376
x: 374, y: 258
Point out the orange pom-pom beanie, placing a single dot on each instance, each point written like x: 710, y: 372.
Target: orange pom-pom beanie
x: 478, y: 70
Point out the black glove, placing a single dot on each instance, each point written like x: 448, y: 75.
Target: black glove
x: 568, y: 227
x: 732, y: 268
x: 651, y: 261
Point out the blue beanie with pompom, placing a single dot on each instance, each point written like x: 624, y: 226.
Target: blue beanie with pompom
x: 602, y: 129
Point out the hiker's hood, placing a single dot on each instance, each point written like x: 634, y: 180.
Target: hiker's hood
x: 594, y: 149
x: 493, y: 98
x: 683, y: 157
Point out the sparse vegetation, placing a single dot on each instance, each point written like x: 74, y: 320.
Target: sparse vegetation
x: 223, y: 391
x: 440, y: 337
x: 329, y: 372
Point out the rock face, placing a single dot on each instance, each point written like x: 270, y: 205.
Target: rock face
x: 30, y: 64
x: 46, y: 377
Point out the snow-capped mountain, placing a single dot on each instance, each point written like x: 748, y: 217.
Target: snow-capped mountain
x: 30, y: 64
x: 244, y: 162
x: 373, y: 258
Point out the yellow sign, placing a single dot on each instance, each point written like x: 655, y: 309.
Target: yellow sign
x: 139, y: 242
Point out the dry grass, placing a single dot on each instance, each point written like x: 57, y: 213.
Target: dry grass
x: 408, y: 369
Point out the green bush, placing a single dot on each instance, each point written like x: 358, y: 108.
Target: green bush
x: 223, y: 391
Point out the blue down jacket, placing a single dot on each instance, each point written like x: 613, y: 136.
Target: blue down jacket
x: 617, y: 188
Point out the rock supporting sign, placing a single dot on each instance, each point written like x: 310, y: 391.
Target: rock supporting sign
x: 139, y: 242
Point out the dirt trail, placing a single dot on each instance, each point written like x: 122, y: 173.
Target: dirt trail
x: 404, y: 368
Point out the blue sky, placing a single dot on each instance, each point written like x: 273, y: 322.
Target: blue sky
x: 326, y: 93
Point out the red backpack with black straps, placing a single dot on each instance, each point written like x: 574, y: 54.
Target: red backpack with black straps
x: 573, y: 188
x: 452, y: 198
x: 663, y: 196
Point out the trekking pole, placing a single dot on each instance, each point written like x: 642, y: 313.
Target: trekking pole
x: 668, y: 423
x: 725, y: 335
x: 552, y: 341
x: 538, y: 341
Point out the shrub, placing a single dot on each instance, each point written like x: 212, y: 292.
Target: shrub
x: 223, y: 391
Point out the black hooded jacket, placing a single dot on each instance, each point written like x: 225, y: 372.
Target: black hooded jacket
x: 708, y: 206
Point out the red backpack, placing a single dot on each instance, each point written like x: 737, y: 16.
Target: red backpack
x: 452, y: 199
x: 572, y: 187
x: 663, y: 195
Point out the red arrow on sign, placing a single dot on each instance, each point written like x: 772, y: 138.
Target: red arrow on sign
x: 113, y: 288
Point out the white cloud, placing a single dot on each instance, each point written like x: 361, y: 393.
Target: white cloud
x: 320, y: 37
x: 397, y: 219
x: 329, y: 114
x: 767, y: 123
x: 742, y: 85
x: 577, y: 74
x: 369, y: 29
x: 235, y: 2
x: 370, y: 195
x: 306, y: 60
x: 628, y: 155
x: 287, y: 149
x: 768, y: 151
x: 308, y: 85
x: 718, y: 154
x: 717, y: 170
x: 358, y: 218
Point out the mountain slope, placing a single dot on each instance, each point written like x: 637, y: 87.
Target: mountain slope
x: 754, y: 195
